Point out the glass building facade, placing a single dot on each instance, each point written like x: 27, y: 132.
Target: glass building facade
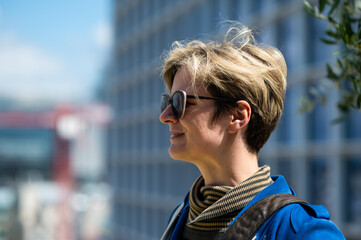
x: 320, y: 160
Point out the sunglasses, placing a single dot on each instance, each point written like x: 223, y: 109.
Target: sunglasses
x: 179, y: 99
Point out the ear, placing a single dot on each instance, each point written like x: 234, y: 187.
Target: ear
x: 240, y: 117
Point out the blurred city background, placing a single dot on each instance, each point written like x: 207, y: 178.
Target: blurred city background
x: 82, y: 152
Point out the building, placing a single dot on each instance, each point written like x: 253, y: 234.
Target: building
x: 51, y: 165
x: 321, y: 160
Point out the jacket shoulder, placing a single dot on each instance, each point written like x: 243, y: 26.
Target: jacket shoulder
x: 300, y: 221
x: 301, y: 213
x: 313, y: 222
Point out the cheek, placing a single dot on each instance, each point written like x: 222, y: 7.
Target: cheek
x: 206, y: 136
x: 201, y: 131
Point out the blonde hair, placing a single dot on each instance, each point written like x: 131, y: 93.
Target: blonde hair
x: 236, y: 68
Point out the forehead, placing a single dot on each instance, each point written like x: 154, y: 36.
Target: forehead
x: 183, y: 81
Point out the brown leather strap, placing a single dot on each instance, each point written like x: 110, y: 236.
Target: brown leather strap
x: 246, y: 226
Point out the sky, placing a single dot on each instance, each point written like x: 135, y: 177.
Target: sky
x: 53, y: 50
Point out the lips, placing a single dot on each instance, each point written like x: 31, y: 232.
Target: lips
x: 176, y: 134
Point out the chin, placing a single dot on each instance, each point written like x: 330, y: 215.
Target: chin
x: 177, y: 153
x: 174, y: 154
x: 180, y: 154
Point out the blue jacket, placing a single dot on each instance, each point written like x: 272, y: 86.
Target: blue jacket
x: 295, y: 221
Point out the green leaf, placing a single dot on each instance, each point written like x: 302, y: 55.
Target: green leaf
x: 347, y: 24
x: 328, y: 41
x: 354, y: 19
x: 342, y: 31
x: 333, y: 8
x: 340, y: 119
x: 343, y: 107
x: 358, y: 42
x: 306, y: 105
x: 339, y: 63
x: 349, y: 9
x: 358, y: 102
x: 334, y: 34
x: 356, y: 85
x: 330, y: 73
x: 358, y: 89
x: 331, y: 20
x: 323, y: 100
x: 308, y: 8
x: 339, y: 52
x: 350, y: 104
x: 322, y: 4
x: 343, y: 74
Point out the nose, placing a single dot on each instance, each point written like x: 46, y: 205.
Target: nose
x: 167, y: 116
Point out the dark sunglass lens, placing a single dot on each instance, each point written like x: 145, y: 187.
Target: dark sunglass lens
x: 164, y: 102
x: 177, y: 104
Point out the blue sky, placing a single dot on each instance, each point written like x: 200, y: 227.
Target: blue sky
x: 53, y: 50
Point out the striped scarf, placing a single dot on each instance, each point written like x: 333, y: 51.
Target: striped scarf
x: 214, y: 207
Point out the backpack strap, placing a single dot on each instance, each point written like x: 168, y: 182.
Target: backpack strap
x: 246, y: 226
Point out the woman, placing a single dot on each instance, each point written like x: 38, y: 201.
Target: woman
x: 225, y: 99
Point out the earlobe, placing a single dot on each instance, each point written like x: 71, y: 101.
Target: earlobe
x: 240, y: 117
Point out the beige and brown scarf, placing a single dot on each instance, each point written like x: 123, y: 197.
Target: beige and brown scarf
x: 214, y: 207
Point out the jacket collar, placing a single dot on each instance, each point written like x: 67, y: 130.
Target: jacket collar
x: 279, y: 185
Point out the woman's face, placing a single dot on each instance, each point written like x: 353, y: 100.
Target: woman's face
x: 194, y: 138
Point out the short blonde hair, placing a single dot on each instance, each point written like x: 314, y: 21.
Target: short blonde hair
x: 236, y: 68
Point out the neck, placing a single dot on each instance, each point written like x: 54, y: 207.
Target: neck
x: 229, y: 168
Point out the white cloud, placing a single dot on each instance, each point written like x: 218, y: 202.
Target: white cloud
x: 103, y: 35
x: 23, y: 62
x: 48, y: 92
x: 28, y: 73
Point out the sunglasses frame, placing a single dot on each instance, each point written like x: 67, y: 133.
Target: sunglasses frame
x: 184, y: 96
